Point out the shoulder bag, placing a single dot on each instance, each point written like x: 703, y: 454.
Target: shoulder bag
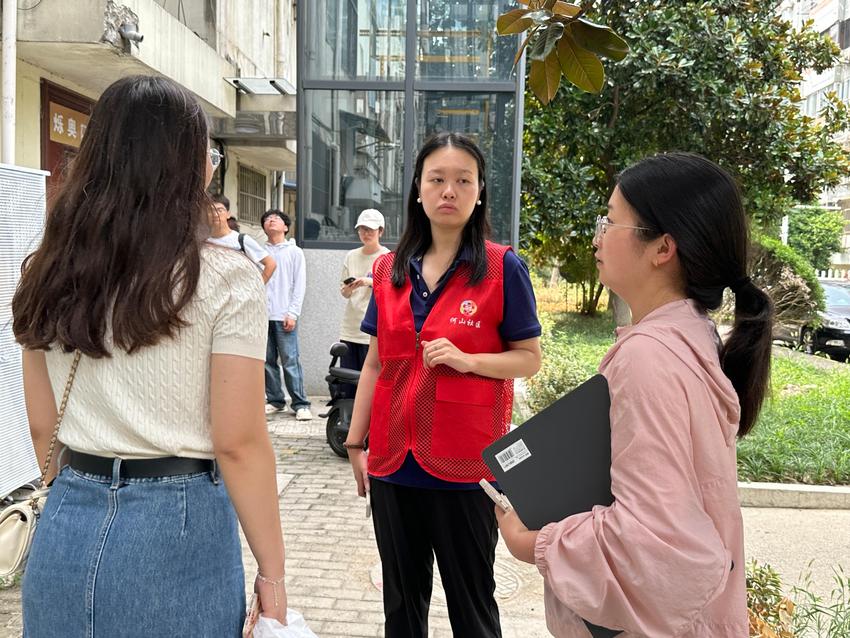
x: 18, y: 520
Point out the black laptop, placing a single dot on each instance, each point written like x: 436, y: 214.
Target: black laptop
x: 558, y: 463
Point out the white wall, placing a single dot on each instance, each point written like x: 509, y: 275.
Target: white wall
x: 321, y: 318
x: 286, y: 49
x: 247, y: 35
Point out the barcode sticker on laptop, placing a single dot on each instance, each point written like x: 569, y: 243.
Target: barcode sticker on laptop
x: 513, y: 455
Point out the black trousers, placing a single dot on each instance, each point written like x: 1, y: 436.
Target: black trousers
x: 354, y: 359
x: 412, y: 526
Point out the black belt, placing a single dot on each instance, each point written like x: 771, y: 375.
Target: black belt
x: 139, y: 468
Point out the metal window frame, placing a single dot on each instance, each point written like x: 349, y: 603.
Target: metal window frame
x: 258, y: 175
x: 410, y: 85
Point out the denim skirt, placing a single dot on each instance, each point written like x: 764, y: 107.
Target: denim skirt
x: 135, y: 557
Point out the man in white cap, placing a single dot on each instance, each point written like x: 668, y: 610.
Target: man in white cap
x: 356, y: 286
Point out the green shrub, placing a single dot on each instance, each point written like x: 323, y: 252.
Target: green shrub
x: 816, y: 616
x: 802, y: 614
x: 788, y: 279
x: 573, y: 345
x: 768, y: 607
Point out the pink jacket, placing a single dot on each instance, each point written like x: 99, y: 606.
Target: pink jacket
x: 656, y: 563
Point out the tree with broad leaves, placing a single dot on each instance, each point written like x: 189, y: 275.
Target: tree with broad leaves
x: 719, y: 78
x: 815, y: 233
x: 560, y: 40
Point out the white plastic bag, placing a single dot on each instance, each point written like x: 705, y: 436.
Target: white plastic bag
x: 296, y: 627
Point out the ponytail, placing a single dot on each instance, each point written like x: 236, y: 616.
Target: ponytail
x: 745, y: 356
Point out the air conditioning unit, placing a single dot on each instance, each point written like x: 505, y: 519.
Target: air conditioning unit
x: 22, y: 209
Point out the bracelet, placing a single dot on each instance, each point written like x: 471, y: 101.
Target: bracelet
x: 354, y: 446
x: 274, y: 583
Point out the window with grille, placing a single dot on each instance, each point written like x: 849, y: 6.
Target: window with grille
x: 252, y: 194
x: 844, y: 34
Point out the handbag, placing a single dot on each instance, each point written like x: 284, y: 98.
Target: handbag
x: 19, y: 520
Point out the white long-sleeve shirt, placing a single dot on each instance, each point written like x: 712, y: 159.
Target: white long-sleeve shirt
x: 285, y: 289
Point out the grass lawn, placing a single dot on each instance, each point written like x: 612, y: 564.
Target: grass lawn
x: 803, y: 432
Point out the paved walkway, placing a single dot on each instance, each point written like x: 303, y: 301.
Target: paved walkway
x: 332, y: 559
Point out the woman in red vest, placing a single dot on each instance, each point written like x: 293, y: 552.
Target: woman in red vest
x: 436, y: 388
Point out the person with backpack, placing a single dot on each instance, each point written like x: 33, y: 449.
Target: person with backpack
x: 221, y: 234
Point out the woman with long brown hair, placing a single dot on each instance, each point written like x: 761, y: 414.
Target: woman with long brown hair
x: 164, y: 435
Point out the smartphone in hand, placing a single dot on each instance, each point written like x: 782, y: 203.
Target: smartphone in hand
x: 349, y: 281
x: 499, y: 499
x: 251, y: 617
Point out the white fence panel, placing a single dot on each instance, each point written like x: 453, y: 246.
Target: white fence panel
x: 22, y: 209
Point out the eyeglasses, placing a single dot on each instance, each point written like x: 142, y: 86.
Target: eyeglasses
x: 602, y: 224
x: 215, y: 157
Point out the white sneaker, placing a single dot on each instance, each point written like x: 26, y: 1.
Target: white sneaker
x: 303, y: 414
x: 271, y: 409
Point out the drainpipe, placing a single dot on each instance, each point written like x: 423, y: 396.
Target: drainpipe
x: 10, y: 36
x: 280, y: 42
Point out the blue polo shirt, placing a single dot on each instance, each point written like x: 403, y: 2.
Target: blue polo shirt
x: 519, y: 322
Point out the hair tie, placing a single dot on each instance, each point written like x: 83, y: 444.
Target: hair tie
x: 739, y: 283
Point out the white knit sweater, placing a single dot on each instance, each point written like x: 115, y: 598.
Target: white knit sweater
x: 156, y: 402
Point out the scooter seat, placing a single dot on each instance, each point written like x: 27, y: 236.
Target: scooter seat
x: 345, y: 374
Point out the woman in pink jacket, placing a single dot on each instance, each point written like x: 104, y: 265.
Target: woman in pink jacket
x: 666, y: 559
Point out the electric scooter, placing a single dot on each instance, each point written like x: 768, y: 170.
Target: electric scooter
x: 341, y: 407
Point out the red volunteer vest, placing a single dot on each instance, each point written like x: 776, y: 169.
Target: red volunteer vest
x: 444, y: 417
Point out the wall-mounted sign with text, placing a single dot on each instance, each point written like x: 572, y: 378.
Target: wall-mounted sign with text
x: 67, y: 126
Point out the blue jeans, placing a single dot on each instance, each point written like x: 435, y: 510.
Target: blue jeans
x: 135, y: 557
x: 284, y: 345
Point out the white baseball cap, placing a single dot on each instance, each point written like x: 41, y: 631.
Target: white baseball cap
x: 370, y: 218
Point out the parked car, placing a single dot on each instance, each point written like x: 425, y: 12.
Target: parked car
x: 832, y: 337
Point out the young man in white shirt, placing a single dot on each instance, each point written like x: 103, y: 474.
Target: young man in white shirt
x: 222, y: 235
x: 284, y: 296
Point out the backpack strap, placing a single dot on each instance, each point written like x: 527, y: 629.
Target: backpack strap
x: 242, y: 242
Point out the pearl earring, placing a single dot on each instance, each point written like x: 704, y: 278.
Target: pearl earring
x: 419, y: 200
x: 479, y: 202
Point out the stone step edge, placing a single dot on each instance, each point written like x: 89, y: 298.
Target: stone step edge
x: 794, y: 495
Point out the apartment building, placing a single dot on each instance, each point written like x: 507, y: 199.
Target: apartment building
x: 830, y: 17
x: 237, y: 57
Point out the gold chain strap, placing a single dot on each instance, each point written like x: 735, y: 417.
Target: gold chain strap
x: 61, y: 413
